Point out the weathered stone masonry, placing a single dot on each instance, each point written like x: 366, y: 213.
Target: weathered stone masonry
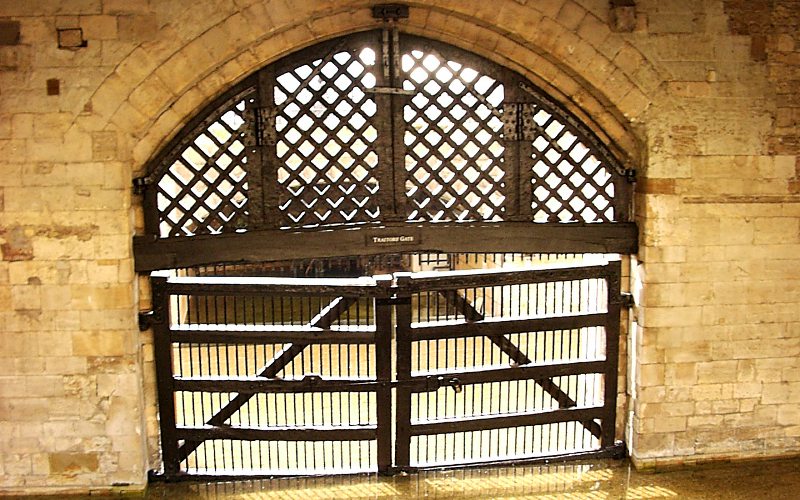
x: 703, y: 98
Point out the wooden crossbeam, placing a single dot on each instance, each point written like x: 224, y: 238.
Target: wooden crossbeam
x: 518, y: 357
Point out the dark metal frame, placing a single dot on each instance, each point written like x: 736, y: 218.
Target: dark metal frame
x: 391, y: 295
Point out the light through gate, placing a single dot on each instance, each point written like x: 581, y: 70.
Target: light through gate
x: 326, y: 146
x: 453, y: 140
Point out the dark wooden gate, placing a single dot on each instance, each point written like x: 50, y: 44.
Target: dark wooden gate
x: 280, y: 376
x: 497, y: 366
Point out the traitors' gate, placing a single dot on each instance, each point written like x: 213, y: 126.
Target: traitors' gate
x: 384, y: 166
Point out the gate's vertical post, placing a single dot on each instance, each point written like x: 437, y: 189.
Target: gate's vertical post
x: 524, y: 168
x: 263, y: 196
x: 613, y: 277
x: 383, y: 371
x: 403, y: 400
x: 162, y: 345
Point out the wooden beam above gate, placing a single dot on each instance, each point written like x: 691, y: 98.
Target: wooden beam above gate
x: 266, y: 245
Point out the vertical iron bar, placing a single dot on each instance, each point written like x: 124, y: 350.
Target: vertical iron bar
x: 263, y: 181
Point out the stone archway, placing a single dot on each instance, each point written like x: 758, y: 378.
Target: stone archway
x: 379, y: 140
x: 575, y: 58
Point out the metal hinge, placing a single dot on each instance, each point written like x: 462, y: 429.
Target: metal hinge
x: 626, y: 300
x: 630, y: 175
x: 265, y: 127
x: 140, y: 184
x: 146, y: 320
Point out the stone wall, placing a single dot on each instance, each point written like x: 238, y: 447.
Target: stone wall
x: 720, y: 338
x: 702, y: 97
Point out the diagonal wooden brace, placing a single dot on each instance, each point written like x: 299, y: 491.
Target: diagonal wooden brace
x: 519, y: 357
x: 324, y: 319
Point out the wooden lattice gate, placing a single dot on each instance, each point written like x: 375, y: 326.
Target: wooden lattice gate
x: 382, y: 137
x: 263, y: 376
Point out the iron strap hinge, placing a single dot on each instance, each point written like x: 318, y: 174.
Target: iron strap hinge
x: 141, y: 183
x: 630, y: 175
x: 145, y: 320
x: 389, y: 90
x: 266, y: 135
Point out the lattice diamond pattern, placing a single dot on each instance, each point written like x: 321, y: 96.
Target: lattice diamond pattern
x: 569, y: 183
x: 204, y: 191
x: 324, y: 125
x: 325, y: 141
x: 453, y: 163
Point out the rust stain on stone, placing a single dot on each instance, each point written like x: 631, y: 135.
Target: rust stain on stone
x: 110, y: 364
x: 657, y: 186
x: 83, y: 232
x: 18, y: 244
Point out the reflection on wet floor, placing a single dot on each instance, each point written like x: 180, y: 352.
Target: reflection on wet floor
x: 596, y: 480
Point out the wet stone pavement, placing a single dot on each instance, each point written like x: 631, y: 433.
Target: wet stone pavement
x: 596, y: 480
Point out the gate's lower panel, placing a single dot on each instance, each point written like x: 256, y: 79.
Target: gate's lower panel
x: 276, y: 376
x: 281, y: 458
x: 497, y: 445
x: 284, y: 412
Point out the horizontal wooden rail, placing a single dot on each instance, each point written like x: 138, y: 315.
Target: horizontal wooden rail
x: 499, y: 326
x: 262, y: 286
x: 308, y: 336
x: 252, y: 385
x: 533, y: 371
x: 338, y: 433
x: 478, y: 278
x: 505, y: 421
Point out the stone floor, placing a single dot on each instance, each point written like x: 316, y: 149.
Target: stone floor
x: 597, y: 480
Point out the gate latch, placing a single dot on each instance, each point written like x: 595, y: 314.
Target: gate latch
x: 434, y: 383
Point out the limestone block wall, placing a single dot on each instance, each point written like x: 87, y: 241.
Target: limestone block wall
x: 701, y: 97
x: 719, y: 337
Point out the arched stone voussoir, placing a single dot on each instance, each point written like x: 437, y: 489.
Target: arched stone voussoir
x: 590, y: 71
